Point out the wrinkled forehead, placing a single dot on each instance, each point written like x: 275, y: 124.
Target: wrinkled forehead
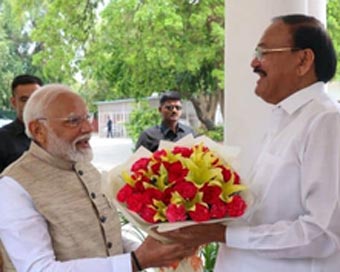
x: 66, y: 104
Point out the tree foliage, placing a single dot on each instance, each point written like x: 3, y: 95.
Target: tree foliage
x: 134, y: 48
x: 333, y: 25
x: 123, y: 48
x: 63, y: 29
x: 16, y: 50
x: 142, y: 117
x: 147, y: 46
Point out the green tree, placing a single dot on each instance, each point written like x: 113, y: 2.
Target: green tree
x: 333, y: 25
x: 142, y: 117
x: 63, y: 28
x: 147, y: 46
x: 131, y: 48
x: 16, y: 50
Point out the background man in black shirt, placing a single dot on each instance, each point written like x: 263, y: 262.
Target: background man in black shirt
x: 13, y: 138
x: 170, y: 107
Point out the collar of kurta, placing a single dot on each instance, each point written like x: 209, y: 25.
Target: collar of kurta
x: 300, y: 98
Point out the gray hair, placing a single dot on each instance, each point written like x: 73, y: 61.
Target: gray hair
x: 38, y: 103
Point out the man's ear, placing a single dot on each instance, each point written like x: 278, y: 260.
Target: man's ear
x: 38, y: 131
x: 160, y: 109
x: 306, y: 61
x: 13, y: 102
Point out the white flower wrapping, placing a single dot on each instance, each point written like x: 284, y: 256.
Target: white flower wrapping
x: 113, y: 182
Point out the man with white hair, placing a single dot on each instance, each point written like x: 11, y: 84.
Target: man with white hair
x: 53, y: 214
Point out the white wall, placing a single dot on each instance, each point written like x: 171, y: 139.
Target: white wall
x: 246, y: 114
x: 334, y: 90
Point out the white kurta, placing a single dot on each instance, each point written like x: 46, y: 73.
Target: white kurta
x: 295, y: 224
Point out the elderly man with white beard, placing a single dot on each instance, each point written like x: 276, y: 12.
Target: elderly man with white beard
x: 53, y: 214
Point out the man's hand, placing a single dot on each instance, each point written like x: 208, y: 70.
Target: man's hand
x: 197, y: 235
x: 153, y: 253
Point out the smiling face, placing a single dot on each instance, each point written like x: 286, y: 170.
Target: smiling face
x: 278, y: 71
x: 66, y: 131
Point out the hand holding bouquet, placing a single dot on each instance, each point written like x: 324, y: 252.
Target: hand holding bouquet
x: 183, y: 183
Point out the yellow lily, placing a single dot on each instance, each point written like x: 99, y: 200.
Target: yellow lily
x: 177, y: 199
x: 228, y: 189
x: 160, y: 211
x: 201, y: 168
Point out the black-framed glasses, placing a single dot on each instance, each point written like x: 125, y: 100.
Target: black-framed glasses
x: 70, y: 121
x: 260, y: 52
x: 172, y: 107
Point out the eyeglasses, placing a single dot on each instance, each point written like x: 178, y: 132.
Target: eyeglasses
x: 260, y: 52
x: 71, y: 121
x: 172, y: 107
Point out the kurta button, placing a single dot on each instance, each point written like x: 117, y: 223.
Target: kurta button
x: 109, y: 245
x: 80, y: 172
x: 103, y: 219
x: 93, y: 195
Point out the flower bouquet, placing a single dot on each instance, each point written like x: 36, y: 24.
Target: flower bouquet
x: 183, y: 183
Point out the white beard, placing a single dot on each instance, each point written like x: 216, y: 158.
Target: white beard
x: 68, y: 151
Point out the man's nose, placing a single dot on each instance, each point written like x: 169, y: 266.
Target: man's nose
x: 86, y: 126
x: 255, y: 62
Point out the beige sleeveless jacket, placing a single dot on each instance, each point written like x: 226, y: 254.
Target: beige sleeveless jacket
x: 80, y: 220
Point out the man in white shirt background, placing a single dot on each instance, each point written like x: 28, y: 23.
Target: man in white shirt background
x: 295, y: 222
x: 53, y: 214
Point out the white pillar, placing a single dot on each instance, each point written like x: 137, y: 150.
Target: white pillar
x: 317, y: 8
x: 246, y: 115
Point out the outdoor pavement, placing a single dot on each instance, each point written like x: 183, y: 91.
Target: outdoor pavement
x: 109, y: 152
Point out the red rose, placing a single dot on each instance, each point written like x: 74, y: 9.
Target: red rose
x: 175, y: 213
x: 200, y: 214
x: 124, y: 193
x: 219, y: 209
x: 139, y: 187
x: 236, y: 178
x: 236, y: 207
x: 186, y: 189
x: 211, y: 194
x: 141, y: 164
x: 226, y: 173
x: 184, y: 151
x: 135, y: 202
x: 167, y: 195
x: 150, y: 194
x: 139, y: 176
x: 148, y: 213
x: 176, y: 171
x: 157, y: 155
x: 155, y: 167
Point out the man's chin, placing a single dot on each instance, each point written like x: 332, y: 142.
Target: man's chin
x: 87, y: 154
x: 81, y: 155
x: 174, y: 119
